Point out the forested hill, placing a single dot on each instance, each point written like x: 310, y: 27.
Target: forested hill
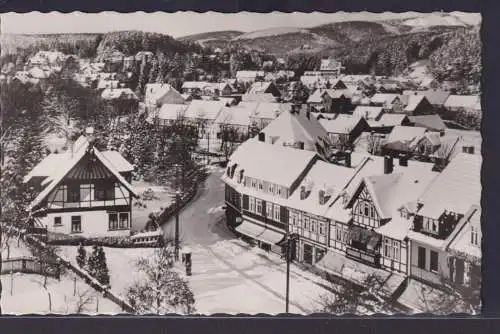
x: 453, y: 54
x: 95, y: 45
x: 131, y: 42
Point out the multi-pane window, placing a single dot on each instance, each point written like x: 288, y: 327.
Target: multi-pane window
x: 74, y: 193
x: 124, y: 219
x: 258, y: 204
x: 57, y: 221
x: 261, y: 186
x: 113, y: 221
x: 252, y: 204
x: 104, y: 191
x: 76, y: 224
x: 342, y: 234
x: 313, y: 225
x: 278, y: 191
x: 306, y: 223
x: 322, y: 228
x: 254, y: 183
x: 276, y: 212
x: 474, y: 236
x: 269, y: 210
x: 271, y: 188
x: 434, y: 261
x: 391, y: 249
x: 293, y: 218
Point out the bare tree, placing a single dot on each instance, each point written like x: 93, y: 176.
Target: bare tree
x: 229, y: 139
x: 342, y: 141
x: 161, y: 290
x: 347, y: 297
x: 374, y: 144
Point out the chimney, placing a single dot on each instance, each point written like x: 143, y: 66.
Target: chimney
x: 348, y: 159
x: 403, y: 160
x: 388, y: 164
x: 300, y: 145
x: 303, y: 192
x: 89, y: 133
x: 262, y: 136
x: 321, y: 194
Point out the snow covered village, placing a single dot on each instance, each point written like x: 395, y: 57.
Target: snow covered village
x: 246, y: 167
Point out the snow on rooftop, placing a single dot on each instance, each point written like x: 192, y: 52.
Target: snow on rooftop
x: 341, y: 124
x: 462, y: 177
x: 202, y: 109
x: 323, y: 176
x: 282, y: 165
x: 368, y: 112
x: 290, y: 128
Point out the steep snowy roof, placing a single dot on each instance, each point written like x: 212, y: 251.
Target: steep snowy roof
x: 69, y: 160
x: 405, y: 134
x: 463, y: 101
x: 171, y: 111
x: 201, y: 109
x: 435, y: 97
x: 259, y: 87
x: 388, y: 120
x: 258, y: 97
x: 368, y: 112
x: 324, y: 176
x: 317, y: 96
x: 341, y: 124
x: 413, y: 102
x: 237, y: 115
x: 431, y: 122
x: 290, y: 128
x: 282, y: 165
x: 385, y: 99
x: 155, y: 91
x: 267, y: 110
x: 118, y: 161
x: 455, y: 189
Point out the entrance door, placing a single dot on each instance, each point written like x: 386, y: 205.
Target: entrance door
x: 308, y: 254
x: 459, y: 268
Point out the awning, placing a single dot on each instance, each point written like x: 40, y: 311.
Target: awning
x: 366, y: 237
x: 258, y: 232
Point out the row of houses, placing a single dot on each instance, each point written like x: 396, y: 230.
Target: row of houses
x: 394, y: 214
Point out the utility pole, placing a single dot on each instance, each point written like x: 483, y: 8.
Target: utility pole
x: 290, y: 241
x: 177, y: 207
x: 177, y: 200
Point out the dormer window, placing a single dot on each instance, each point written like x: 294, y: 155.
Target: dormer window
x: 271, y: 188
x: 254, y: 183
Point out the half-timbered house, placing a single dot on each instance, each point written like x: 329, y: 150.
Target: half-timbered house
x: 83, y: 192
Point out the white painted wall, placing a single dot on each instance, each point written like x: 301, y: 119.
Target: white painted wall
x: 94, y: 224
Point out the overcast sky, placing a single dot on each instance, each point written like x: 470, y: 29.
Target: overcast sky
x: 179, y: 23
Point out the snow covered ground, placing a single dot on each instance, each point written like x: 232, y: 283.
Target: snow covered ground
x: 227, y: 277
x: 162, y: 199
x: 26, y: 294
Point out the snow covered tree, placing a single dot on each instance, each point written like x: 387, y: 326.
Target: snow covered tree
x: 102, y: 274
x: 143, y: 76
x: 162, y: 290
x: 162, y: 67
x: 93, y: 262
x: 153, y: 73
x: 81, y: 257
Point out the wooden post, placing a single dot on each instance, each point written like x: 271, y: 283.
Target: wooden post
x: 11, y: 282
x: 50, y: 302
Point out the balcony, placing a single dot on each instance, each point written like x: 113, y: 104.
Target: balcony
x: 370, y: 258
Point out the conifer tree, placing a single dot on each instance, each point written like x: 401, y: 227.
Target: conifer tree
x: 81, y: 258
x: 102, y: 273
x: 92, y: 263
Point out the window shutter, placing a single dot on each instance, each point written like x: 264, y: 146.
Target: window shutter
x: 245, y: 202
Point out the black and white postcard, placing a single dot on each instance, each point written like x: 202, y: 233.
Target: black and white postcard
x: 247, y: 163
